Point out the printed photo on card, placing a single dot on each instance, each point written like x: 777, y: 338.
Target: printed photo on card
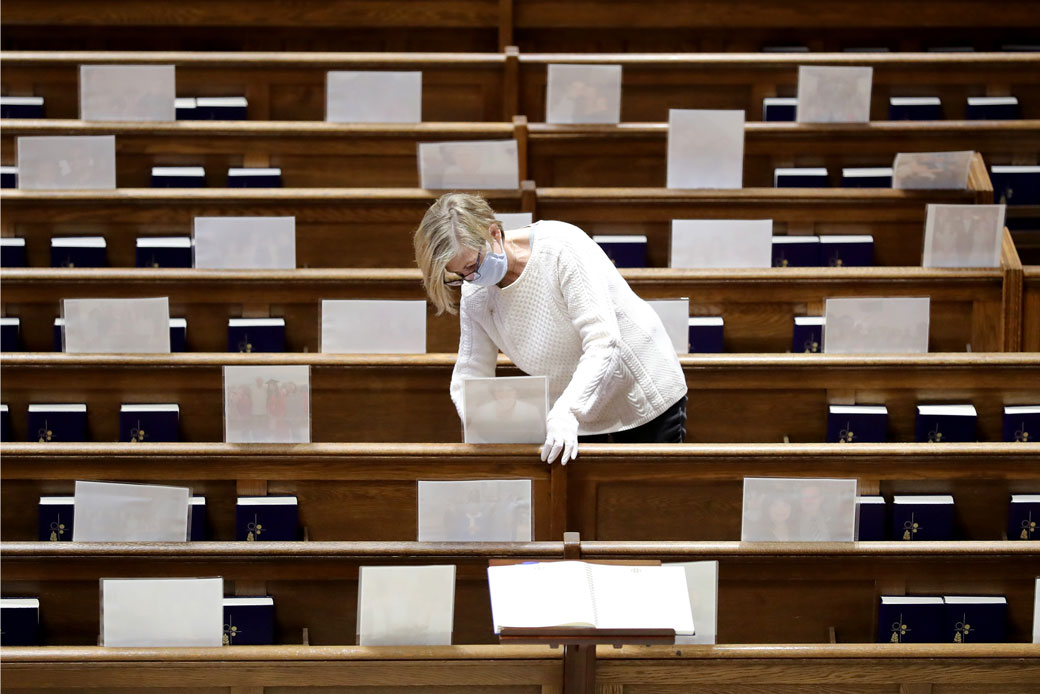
x: 798, y: 510
x: 583, y: 94
x: 722, y: 243
x: 406, y: 605
x: 702, y: 580
x: 373, y: 96
x: 267, y: 404
x: 834, y: 94
x: 514, y: 220
x: 705, y: 149
x: 474, y: 165
x: 475, y: 511
x: 162, y: 612
x: 931, y: 170
x: 117, y: 326
x: 67, y: 162
x: 245, y: 243
x: 127, y: 92
x: 372, y: 326
x: 963, y: 235
x: 675, y: 315
x: 896, y: 325
x: 114, y: 512
x: 505, y: 409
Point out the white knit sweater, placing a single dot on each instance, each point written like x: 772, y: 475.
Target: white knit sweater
x: 572, y: 317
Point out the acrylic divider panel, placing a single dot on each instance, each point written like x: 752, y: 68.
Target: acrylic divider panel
x: 267, y: 404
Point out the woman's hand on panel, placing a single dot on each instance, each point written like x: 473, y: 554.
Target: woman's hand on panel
x: 561, y: 436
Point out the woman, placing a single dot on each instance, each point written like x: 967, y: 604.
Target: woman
x: 552, y: 301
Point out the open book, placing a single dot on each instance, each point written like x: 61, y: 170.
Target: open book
x: 578, y: 594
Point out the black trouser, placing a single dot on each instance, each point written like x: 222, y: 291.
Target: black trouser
x: 667, y: 427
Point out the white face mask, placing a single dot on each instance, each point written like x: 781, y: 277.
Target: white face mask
x: 492, y: 268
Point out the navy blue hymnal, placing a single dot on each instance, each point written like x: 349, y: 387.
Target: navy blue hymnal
x: 165, y: 251
x: 857, y: 424
x: 12, y: 251
x: 922, y: 518
x: 149, y: 423
x: 623, y: 251
x: 5, y: 423
x: 808, y: 334
x: 266, y: 519
x: 914, y: 108
x: 871, y: 512
x: 48, y: 422
x: 221, y: 108
x: 779, y: 109
x: 945, y: 423
x: 800, y: 177
x: 796, y: 251
x: 21, y: 107
x: 992, y: 108
x: 198, y: 531
x: 976, y: 618
x: 79, y: 251
x: 1024, y: 517
x: 185, y: 108
x: 178, y: 334
x: 56, y: 516
x: 705, y: 334
x: 847, y: 250
x: 254, y: 178
x: 1016, y: 185
x: 256, y: 334
x: 911, y: 619
x: 20, y: 618
x: 249, y: 621
x: 58, y: 335
x: 178, y: 177
x: 10, y: 334
x: 8, y: 176
x: 1022, y: 423
x: 866, y: 177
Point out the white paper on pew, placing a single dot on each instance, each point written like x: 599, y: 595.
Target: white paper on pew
x: 893, y: 325
x: 161, y: 612
x: 583, y: 94
x: 705, y: 149
x: 963, y: 235
x: 245, y: 243
x: 722, y: 243
x: 373, y: 96
x: 931, y: 170
x: 475, y: 511
x: 834, y: 94
x: 509, y: 409
x: 675, y: 315
x: 702, y: 582
x: 116, y: 326
x: 372, y: 326
x: 67, y: 162
x: 267, y: 404
x: 406, y: 605
x: 798, y: 510
x: 114, y: 512
x: 570, y: 593
x: 471, y: 165
x: 127, y: 92
x: 1036, y: 612
x: 514, y: 220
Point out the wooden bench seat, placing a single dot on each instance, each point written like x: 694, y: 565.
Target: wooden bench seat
x: 286, y: 86
x: 816, y: 669
x: 353, y: 492
x: 733, y: 398
x: 334, y: 155
x: 768, y: 592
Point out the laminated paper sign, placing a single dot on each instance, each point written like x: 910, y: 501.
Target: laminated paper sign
x: 834, y: 94
x: 705, y: 149
x: 514, y: 220
x: 406, y: 605
x: 117, y: 326
x: 702, y: 581
x: 675, y: 315
x: 505, y: 409
x: 127, y: 92
x: 245, y: 243
x: 475, y: 511
x: 267, y: 404
x: 963, y: 235
x: 162, y: 612
x: 931, y: 170
x: 360, y: 326
x: 372, y: 96
x: 896, y: 325
x: 583, y: 94
x: 798, y: 510
x: 113, y: 512
x: 67, y: 162
x: 473, y: 165
x: 722, y: 243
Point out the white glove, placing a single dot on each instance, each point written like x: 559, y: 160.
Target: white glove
x: 561, y: 434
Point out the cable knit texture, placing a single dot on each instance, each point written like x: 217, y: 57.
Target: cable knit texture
x: 572, y: 317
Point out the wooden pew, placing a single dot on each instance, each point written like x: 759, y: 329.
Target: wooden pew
x: 335, y: 155
x: 1031, y: 309
x: 354, y: 492
x: 497, y: 86
x: 778, y: 593
x: 733, y: 398
x: 373, y: 227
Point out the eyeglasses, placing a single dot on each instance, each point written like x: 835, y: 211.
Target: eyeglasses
x: 467, y: 278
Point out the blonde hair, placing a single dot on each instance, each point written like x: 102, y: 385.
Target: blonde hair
x: 456, y: 221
